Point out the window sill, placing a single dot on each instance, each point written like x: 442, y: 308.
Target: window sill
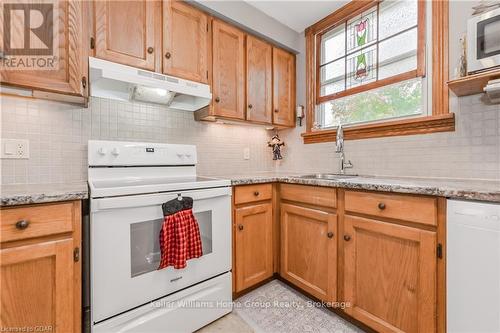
x: 422, y: 125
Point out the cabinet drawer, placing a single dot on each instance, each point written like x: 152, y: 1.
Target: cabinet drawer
x: 402, y: 207
x: 35, y: 221
x: 314, y: 195
x: 252, y: 193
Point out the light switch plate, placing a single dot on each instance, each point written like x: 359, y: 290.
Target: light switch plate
x: 246, y: 153
x: 14, y: 148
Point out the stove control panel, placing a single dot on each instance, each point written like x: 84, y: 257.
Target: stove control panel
x: 119, y: 153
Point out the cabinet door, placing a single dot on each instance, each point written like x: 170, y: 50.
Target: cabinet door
x: 253, y: 244
x: 259, y: 80
x: 185, y: 48
x: 284, y: 88
x: 71, y: 65
x: 390, y: 275
x: 309, y: 250
x: 37, y: 286
x: 129, y: 32
x: 228, y: 71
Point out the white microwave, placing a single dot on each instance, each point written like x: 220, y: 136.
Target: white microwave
x: 483, y: 41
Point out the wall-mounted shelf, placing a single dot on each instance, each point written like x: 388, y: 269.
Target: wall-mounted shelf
x: 472, y: 84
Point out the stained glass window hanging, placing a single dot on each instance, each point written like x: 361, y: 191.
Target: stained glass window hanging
x: 378, y: 43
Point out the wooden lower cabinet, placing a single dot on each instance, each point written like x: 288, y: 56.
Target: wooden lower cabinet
x: 390, y: 275
x: 37, y: 284
x: 309, y: 250
x: 40, y: 277
x: 253, y: 244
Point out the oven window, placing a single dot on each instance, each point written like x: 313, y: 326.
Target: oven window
x: 488, y: 40
x: 145, y: 244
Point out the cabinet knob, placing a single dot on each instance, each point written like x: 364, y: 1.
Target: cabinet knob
x: 276, y: 110
x: 23, y: 224
x: 217, y: 99
x: 330, y: 234
x: 84, y: 82
x: 168, y: 55
x: 240, y: 226
x: 250, y: 106
x: 381, y: 206
x: 150, y: 50
x: 347, y: 238
x: 256, y: 193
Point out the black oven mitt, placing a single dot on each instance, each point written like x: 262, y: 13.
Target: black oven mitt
x: 175, y: 205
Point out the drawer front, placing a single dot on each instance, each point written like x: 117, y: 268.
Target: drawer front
x: 35, y: 221
x: 314, y: 195
x: 252, y: 193
x: 407, y: 208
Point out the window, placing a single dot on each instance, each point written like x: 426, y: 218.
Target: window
x: 379, y: 43
x: 402, y: 99
x: 366, y: 68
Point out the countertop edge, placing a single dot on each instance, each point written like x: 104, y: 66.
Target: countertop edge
x: 38, y: 198
x: 438, y: 191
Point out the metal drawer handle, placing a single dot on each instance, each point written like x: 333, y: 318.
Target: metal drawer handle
x: 240, y: 226
x: 330, y: 234
x: 347, y: 238
x: 381, y: 206
x: 23, y: 224
x: 256, y: 193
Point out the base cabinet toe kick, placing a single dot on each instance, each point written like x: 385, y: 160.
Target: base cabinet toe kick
x: 380, y: 254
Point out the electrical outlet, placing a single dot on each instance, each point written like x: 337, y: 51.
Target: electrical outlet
x: 14, y: 148
x: 246, y: 153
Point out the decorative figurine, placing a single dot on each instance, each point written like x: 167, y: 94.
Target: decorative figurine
x: 276, y: 144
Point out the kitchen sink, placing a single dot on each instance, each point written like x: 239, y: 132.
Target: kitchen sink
x: 328, y: 176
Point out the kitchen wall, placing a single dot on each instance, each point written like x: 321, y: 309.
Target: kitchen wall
x: 58, y: 135
x: 472, y: 151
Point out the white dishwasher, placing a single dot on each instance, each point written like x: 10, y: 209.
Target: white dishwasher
x: 473, y: 267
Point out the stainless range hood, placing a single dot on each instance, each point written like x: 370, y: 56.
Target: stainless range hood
x: 125, y: 83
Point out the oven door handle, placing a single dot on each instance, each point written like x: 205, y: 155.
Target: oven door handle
x: 156, y: 199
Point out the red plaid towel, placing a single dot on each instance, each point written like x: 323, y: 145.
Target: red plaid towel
x: 179, y: 239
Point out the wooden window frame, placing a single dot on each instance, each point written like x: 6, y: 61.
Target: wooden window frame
x: 441, y: 119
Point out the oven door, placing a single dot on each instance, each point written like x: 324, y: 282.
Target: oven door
x: 125, y: 250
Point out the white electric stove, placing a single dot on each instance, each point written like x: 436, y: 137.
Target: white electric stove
x: 128, y: 183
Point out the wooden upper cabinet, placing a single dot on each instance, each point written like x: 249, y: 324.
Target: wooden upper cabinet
x: 37, y: 286
x: 284, y: 88
x: 228, y: 84
x: 185, y: 41
x: 259, y: 80
x: 253, y: 244
x: 390, y: 275
x: 309, y: 250
x: 129, y: 32
x: 70, y: 73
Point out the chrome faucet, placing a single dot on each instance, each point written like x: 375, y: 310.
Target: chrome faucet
x: 339, y: 148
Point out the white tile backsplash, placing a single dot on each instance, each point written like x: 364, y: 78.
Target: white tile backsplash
x: 58, y: 135
x: 472, y: 151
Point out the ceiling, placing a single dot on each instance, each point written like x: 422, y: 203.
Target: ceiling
x: 297, y: 14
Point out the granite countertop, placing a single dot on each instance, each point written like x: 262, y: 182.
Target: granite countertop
x: 481, y: 190
x: 22, y: 194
